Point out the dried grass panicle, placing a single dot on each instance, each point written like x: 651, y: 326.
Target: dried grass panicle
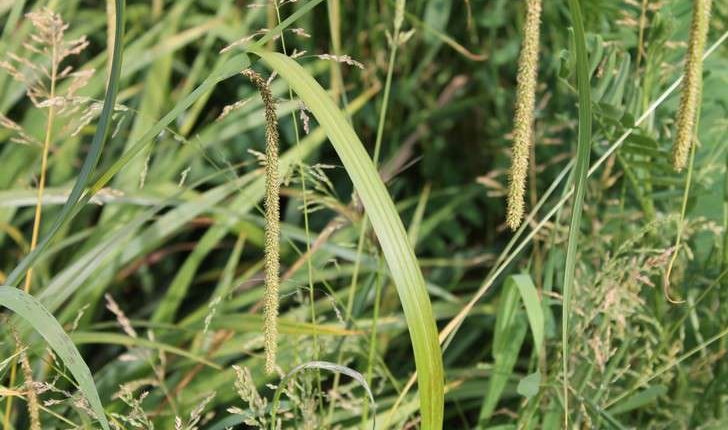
x: 272, y: 221
x: 524, y: 113
x: 31, y: 395
x: 121, y: 317
x: 692, y: 84
x: 46, y: 49
x: 255, y: 414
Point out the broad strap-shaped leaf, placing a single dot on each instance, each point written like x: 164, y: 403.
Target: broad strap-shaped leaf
x: 400, y: 257
x: 44, y: 323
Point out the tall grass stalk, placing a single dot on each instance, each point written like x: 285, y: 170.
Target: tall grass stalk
x: 46, y: 144
x: 306, y: 226
x: 51, y: 28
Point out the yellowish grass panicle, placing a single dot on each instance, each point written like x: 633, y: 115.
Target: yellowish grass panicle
x: 692, y: 83
x: 272, y: 221
x: 524, y: 113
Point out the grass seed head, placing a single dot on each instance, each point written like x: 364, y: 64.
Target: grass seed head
x: 692, y: 83
x: 272, y: 221
x: 524, y: 114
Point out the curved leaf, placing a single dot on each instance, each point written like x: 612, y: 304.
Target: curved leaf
x: 44, y: 323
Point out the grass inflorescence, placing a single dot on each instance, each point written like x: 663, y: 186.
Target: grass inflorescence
x: 523, y: 119
x: 692, y: 84
x: 272, y: 221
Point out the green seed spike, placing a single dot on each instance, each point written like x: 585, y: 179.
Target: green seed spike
x: 524, y: 114
x: 687, y: 111
x: 272, y: 222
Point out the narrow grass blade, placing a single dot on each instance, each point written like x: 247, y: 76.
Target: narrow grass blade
x: 583, y: 150
x: 385, y: 220
x: 638, y: 400
x: 510, y: 331
x: 44, y: 323
x: 102, y: 338
x: 529, y: 296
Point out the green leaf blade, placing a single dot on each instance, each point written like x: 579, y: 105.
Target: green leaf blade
x: 47, y: 326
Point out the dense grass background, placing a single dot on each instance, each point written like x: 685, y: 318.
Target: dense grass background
x: 158, y: 280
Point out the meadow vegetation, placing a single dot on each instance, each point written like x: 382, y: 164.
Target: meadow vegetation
x: 390, y: 214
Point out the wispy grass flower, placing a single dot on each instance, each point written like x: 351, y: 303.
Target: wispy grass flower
x: 524, y: 114
x: 690, y: 98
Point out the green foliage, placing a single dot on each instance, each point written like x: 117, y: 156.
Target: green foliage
x: 151, y: 255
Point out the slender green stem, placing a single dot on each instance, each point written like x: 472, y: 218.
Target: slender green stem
x: 680, y: 228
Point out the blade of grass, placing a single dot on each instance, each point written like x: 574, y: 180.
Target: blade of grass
x: 105, y: 338
x: 388, y: 226
x: 583, y: 150
x: 508, y: 336
x: 47, y: 326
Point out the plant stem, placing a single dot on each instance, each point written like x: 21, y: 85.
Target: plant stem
x: 38, y: 207
x: 43, y: 164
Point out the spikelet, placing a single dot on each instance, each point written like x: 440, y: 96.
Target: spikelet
x: 692, y: 83
x: 272, y: 222
x: 30, y: 393
x: 524, y: 114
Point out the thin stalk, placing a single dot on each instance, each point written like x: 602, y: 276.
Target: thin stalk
x: 38, y: 206
x: 337, y: 80
x: 43, y: 164
x: 680, y: 228
x: 398, y: 19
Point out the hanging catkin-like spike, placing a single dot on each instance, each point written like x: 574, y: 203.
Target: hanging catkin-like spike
x: 272, y: 222
x: 692, y: 83
x: 524, y: 114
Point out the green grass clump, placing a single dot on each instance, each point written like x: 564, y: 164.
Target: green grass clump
x: 340, y: 239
